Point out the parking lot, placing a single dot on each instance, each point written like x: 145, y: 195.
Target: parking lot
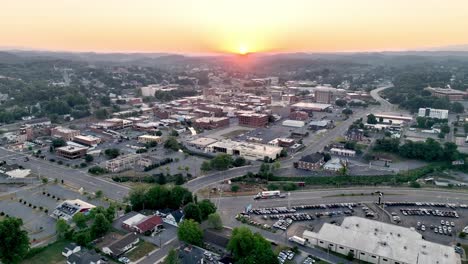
x: 438, y: 222
x: 34, y: 205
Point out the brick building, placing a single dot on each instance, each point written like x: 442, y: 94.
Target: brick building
x: 64, y: 133
x: 211, y: 122
x: 71, y: 152
x: 253, y: 120
x: 310, y: 162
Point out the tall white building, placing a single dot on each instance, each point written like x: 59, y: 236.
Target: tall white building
x: 433, y: 113
x: 377, y: 242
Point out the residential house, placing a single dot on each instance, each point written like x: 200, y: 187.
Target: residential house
x: 70, y: 249
x: 84, y: 257
x: 122, y: 245
x: 174, y: 218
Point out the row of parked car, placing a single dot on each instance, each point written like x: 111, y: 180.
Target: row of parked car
x: 325, y: 206
x: 285, y: 255
x: 429, y: 212
x: 294, y: 217
x: 283, y: 224
x: 274, y: 210
x: 448, y: 205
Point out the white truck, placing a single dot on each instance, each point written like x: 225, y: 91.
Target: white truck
x: 269, y: 194
x: 298, y: 240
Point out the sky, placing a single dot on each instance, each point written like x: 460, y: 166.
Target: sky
x: 232, y: 26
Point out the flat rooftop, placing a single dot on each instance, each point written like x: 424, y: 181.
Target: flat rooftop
x: 311, y: 105
x: 386, y: 240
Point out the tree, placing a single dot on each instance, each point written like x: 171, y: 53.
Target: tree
x: 192, y: 211
x: 214, y: 221
x: 415, y: 184
x: 100, y: 225
x: 172, y: 143
x: 347, y: 111
x: 239, y: 162
x: 457, y: 107
x: 247, y: 247
x: 371, y: 119
x: 158, y: 133
x: 110, y: 213
x: 14, y: 242
x: 235, y: 188
x: 441, y: 135
x: 283, y: 153
x: 206, y: 166
x: 221, y: 162
x: 340, y: 102
x: 89, y: 158
x: 101, y: 114
x: 82, y: 237
x: 58, y: 142
x: 174, y: 133
x: 161, y: 179
x: 179, y: 179
x: 80, y: 220
x: 62, y: 228
x: 206, y: 208
x: 326, y: 157
x: 445, y: 129
x: 172, y: 257
x: 112, y: 153
x: 190, y: 232
x: 179, y: 196
x: 98, y: 194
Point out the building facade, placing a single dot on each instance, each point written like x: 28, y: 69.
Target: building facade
x: 433, y: 113
x: 253, y: 120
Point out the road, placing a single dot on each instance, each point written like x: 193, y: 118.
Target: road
x: 72, y: 177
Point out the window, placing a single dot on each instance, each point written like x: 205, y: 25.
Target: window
x: 374, y: 256
x: 351, y: 250
x: 341, y: 247
x: 362, y: 253
x: 384, y: 259
x: 321, y: 242
x: 330, y: 245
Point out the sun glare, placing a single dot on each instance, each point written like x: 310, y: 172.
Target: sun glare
x: 243, y: 50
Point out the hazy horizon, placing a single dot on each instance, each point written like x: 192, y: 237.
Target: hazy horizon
x: 219, y: 27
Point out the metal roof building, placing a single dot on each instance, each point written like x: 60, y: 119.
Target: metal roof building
x: 377, y: 242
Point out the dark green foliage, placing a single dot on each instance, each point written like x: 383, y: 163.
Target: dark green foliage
x: 172, y: 143
x: 14, y: 242
x: 206, y: 208
x: 112, y: 153
x: 192, y: 211
x: 371, y: 119
x: 247, y: 247
x: 96, y: 170
x: 159, y: 197
x: 190, y: 232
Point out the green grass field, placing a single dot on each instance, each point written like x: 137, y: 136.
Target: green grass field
x: 140, y: 251
x: 51, y: 255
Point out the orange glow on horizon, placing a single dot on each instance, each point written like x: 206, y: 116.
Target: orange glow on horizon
x: 234, y: 27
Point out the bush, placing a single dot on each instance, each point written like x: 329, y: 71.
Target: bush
x: 235, y: 188
x: 96, y: 170
x: 415, y: 184
x: 289, y: 187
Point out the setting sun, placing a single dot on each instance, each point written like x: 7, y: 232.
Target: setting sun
x: 243, y: 50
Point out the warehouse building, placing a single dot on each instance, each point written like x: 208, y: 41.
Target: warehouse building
x: 377, y: 242
x: 253, y: 120
x: 343, y: 152
x: 293, y: 123
x: 250, y: 151
x: 310, y: 107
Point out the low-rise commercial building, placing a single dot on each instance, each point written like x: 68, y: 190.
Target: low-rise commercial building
x: 433, y: 113
x: 377, y: 242
x: 71, y: 152
x: 67, y: 209
x: 64, y: 133
x: 449, y: 93
x: 122, y: 163
x: 87, y: 140
x: 250, y: 151
x: 211, y: 122
x: 144, y: 139
x: 293, y: 123
x: 253, y: 120
x: 310, y: 107
x: 343, y: 152
x: 310, y: 162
